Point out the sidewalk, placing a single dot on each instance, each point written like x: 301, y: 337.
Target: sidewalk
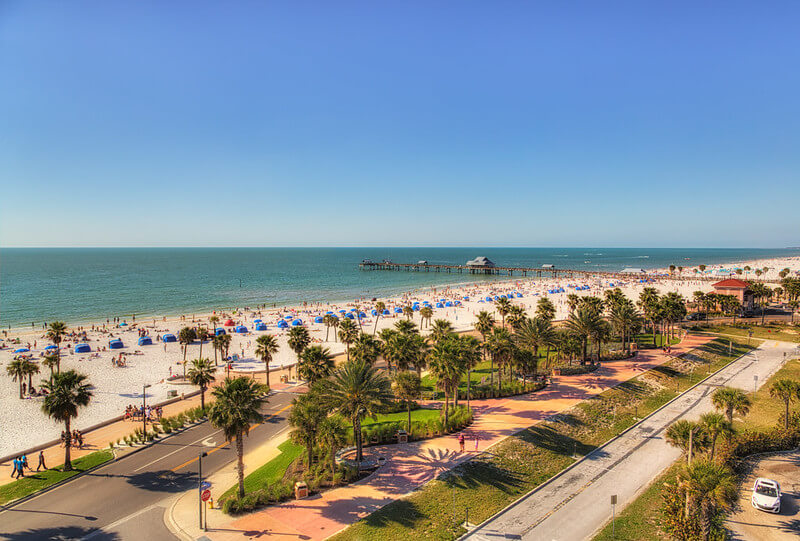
x: 411, y: 465
x: 98, y: 439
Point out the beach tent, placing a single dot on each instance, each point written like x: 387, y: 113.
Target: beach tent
x: 349, y: 315
x: 241, y: 329
x: 282, y: 324
x: 386, y: 312
x: 398, y: 310
x: 319, y: 319
x: 169, y: 338
x: 21, y: 350
x: 519, y: 295
x: 496, y: 297
x: 415, y: 307
x: 297, y: 323
x: 362, y: 314
x: 374, y: 312
x: 464, y: 298
x: 329, y: 313
x: 352, y: 309
x: 261, y: 326
x: 256, y: 321
x: 439, y: 305
x: 145, y: 341
x: 488, y: 299
x: 51, y: 346
x: 219, y: 331
x: 115, y: 344
x: 342, y: 311
x: 82, y: 348
x: 123, y: 324
x: 288, y: 318
x: 229, y: 323
x: 448, y: 304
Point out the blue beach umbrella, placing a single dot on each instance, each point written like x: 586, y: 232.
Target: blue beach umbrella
x: 169, y: 338
x: 439, y: 305
x: 256, y: 321
x: 349, y: 315
x: 387, y: 312
x: 51, y: 346
x: 145, y: 341
x: 261, y: 326
x: 241, y: 329
x: 219, y: 331
x: 318, y: 319
x: 21, y: 350
x: 282, y: 324
x: 448, y: 304
x: 297, y: 323
x: 123, y: 324
x: 82, y: 348
x: 398, y: 310
x: 362, y: 314
x: 374, y: 312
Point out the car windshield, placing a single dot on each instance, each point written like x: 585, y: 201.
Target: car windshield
x: 766, y: 491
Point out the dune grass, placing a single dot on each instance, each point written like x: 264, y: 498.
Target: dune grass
x: 36, y: 481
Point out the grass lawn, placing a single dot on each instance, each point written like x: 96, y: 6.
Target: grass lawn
x: 487, y: 484
x: 270, y: 472
x: 645, y: 340
x: 786, y: 333
x: 35, y: 482
x: 421, y: 414
x: 641, y: 519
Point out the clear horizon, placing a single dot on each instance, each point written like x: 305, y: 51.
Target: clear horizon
x: 457, y: 124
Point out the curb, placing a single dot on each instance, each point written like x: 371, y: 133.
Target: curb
x: 605, y: 444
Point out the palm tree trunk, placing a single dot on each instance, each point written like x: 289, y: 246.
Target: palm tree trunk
x: 67, y: 446
x: 266, y: 371
x: 469, y: 380
x: 203, y: 398
x: 375, y: 329
x: 446, y: 403
x: 408, y: 407
x: 201, y: 349
x: 491, y: 375
x: 20, y: 388
x: 240, y: 462
x: 357, y: 438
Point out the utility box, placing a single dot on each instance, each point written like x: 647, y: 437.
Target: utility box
x: 402, y: 436
x: 172, y: 393
x: 300, y: 490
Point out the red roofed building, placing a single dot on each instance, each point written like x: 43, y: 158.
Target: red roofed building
x: 739, y: 289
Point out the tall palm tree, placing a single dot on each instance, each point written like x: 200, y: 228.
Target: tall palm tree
x: 186, y: 336
x: 408, y: 312
x: 31, y: 368
x: 266, y: 347
x: 299, y: 338
x: 201, y: 374
x: 202, y: 335
x: 716, y: 425
x: 407, y: 387
x: 332, y: 432
x: 399, y: 349
x: 545, y: 309
x: 484, y: 325
x: 502, y: 305
x: 786, y: 390
x: 237, y: 406
x: 649, y: 304
x: 329, y: 320
x: 224, y: 344
x: 50, y: 361
x: 348, y: 332
x: 17, y: 370
x: 67, y: 391
x: 440, y: 330
x: 470, y: 352
x: 583, y: 323
x: 306, y: 416
x: 501, y: 351
x: 366, y: 347
x: 572, y: 302
x: 625, y: 320
x: 356, y: 390
x: 214, y: 320
x: 216, y: 344
x: 793, y: 305
x: 315, y: 363
x: 426, y: 313
x: 406, y: 327
x: 731, y: 400
x: 380, y: 306
x: 515, y: 316
x: 55, y: 333
x: 444, y: 365
x: 708, y: 487
x: 688, y: 436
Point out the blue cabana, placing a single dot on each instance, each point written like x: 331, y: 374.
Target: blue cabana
x: 297, y: 323
x: 374, y: 312
x: 21, y: 350
x: 457, y: 303
x: 51, y: 346
x: 82, y: 348
x: 319, y: 319
x: 387, y: 312
x: 352, y: 309
x: 219, y: 331
x: 169, y: 338
x: 282, y: 324
x: 519, y: 295
x: 349, y: 315
x: 488, y: 299
x: 241, y: 329
x: 398, y: 310
x: 261, y: 326
x: 329, y: 313
x: 448, y: 304
x: 362, y: 314
x: 115, y: 344
x: 415, y: 307
x: 464, y: 298
x: 342, y: 311
x: 256, y: 321
x: 288, y: 318
x: 145, y: 341
x: 439, y: 305
x: 123, y: 324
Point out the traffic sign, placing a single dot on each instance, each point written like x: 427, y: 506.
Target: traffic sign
x: 205, y: 495
x: 205, y: 485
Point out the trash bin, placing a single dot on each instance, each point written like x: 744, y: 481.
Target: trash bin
x: 402, y: 436
x: 172, y: 393
x: 300, y: 490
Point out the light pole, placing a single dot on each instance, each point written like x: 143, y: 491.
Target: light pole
x: 144, y: 410
x: 200, y: 488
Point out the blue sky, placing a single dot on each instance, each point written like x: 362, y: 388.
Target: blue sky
x: 399, y: 123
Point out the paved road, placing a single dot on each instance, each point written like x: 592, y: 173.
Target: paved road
x: 575, y: 505
x: 126, y: 499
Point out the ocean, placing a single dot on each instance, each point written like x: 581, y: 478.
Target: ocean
x: 89, y: 284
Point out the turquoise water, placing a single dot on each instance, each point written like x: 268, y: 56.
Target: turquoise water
x: 85, y: 284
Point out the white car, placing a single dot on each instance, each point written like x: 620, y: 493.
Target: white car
x: 766, y: 495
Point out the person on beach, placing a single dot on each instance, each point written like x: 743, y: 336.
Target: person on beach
x: 15, y: 464
x: 461, y: 441
x: 476, y: 441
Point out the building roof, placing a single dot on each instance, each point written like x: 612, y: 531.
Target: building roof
x: 480, y: 261
x: 733, y: 283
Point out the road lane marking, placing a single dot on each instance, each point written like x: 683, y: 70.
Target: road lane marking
x: 176, y: 451
x: 217, y: 448
x: 105, y: 529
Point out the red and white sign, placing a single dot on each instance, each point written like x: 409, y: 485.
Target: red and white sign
x: 205, y: 495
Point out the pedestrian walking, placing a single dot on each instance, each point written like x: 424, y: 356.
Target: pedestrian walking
x: 476, y: 441
x: 41, y: 461
x: 15, y: 464
x: 24, y: 464
x: 461, y: 441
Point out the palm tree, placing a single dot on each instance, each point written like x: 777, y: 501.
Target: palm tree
x: 201, y: 374
x: 306, y: 416
x: 237, y: 406
x: 407, y: 387
x: 332, y: 432
x: 572, y: 302
x: 786, y: 390
x: 399, y: 349
x: 55, y: 332
x: 408, y: 312
x: 224, y: 343
x: 216, y: 344
x: 266, y: 347
x: 406, y: 327
x: 470, y: 351
x: 731, y: 400
x: 545, y: 309
x: 214, y: 320
x: 366, y: 347
x: 583, y: 323
x: 315, y: 363
x: 649, y: 304
x: 484, y: 324
x: 426, y: 313
x: 31, y: 368
x: 716, y: 425
x: 502, y: 306
x: 687, y: 436
x: 67, y: 391
x: 329, y: 320
x: 380, y: 306
x: 50, y: 361
x: 348, y: 332
x: 625, y: 320
x: 202, y: 335
x: 793, y: 305
x: 708, y: 487
x: 443, y: 363
x: 356, y: 390
x: 17, y: 370
x: 501, y: 351
x: 186, y: 336
x: 441, y: 329
x: 299, y: 338
x: 516, y: 314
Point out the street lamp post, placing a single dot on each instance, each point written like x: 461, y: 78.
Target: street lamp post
x: 144, y: 410
x: 200, y: 488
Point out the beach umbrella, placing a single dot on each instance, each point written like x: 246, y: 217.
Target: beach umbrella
x: 464, y: 298
x: 123, y: 324
x: 169, y: 338
x: 50, y: 347
x: 319, y: 319
x: 342, y: 311
x: 439, y: 305
x: 21, y: 350
x: 374, y: 312
x: 219, y: 331
x: 519, y: 295
x: 229, y: 323
x: 261, y: 326
x: 256, y: 321
x: 386, y: 312
x: 398, y: 310
x: 282, y: 324
x: 415, y: 307
x: 82, y: 348
x: 241, y: 329
x: 362, y: 314
x: 349, y: 315
x: 488, y: 299
x: 329, y: 313
x: 297, y: 322
x: 145, y: 341
x: 448, y: 304
x: 115, y: 344
x: 352, y: 309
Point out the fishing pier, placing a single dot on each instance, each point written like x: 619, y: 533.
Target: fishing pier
x: 547, y: 271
